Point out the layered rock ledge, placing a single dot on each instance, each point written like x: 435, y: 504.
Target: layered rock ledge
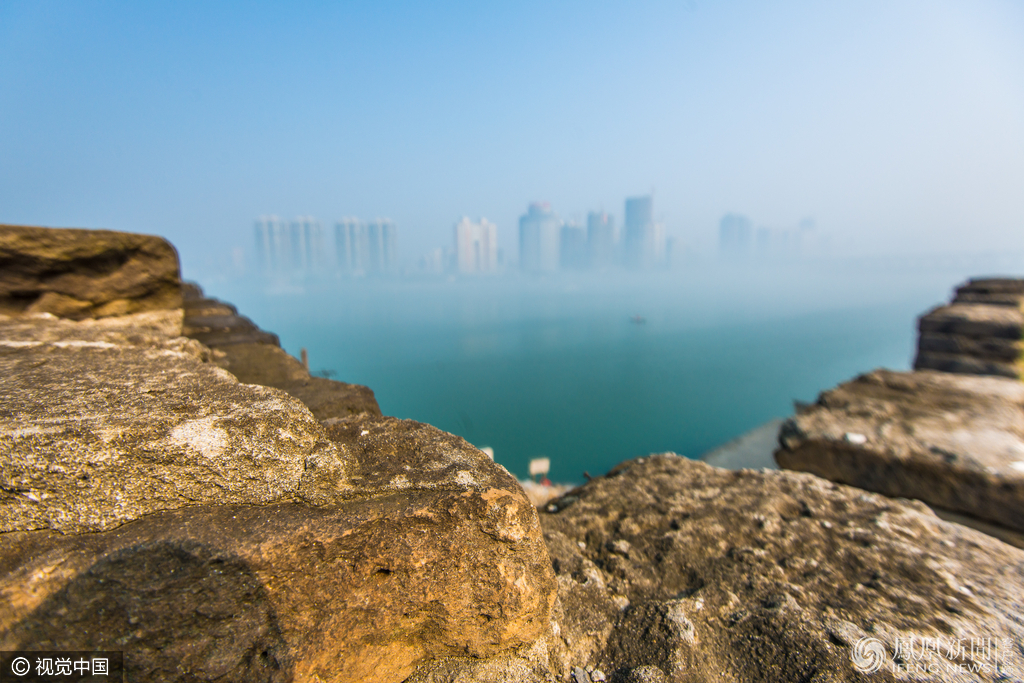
x: 980, y: 332
x: 953, y: 441
x: 85, y: 273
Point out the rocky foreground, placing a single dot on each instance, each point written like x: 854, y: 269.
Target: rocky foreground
x: 174, y: 485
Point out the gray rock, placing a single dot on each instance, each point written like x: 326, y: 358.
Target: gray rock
x: 954, y: 441
x: 765, y: 576
x: 580, y: 676
x: 85, y: 273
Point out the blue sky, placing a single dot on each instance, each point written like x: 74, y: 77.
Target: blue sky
x: 897, y: 125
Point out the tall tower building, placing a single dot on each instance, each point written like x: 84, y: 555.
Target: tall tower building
x: 351, y: 245
x: 307, y: 244
x: 476, y: 246
x: 643, y: 240
x: 734, y: 235
x: 272, y: 244
x: 573, y: 247
x: 601, y: 239
x: 366, y: 247
x: 381, y: 239
x: 539, y: 239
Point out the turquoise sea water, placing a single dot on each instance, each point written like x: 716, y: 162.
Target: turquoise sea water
x: 556, y: 367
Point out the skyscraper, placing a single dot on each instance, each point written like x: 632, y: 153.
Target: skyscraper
x: 381, y: 237
x: 476, y: 246
x: 539, y: 239
x: 366, y: 247
x: 351, y: 245
x: 601, y: 239
x: 734, y: 235
x: 273, y: 246
x: 573, y: 247
x: 306, y: 244
x: 643, y: 243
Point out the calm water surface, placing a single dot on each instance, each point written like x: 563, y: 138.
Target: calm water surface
x: 558, y: 367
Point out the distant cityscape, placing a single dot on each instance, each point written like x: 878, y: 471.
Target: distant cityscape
x: 547, y: 244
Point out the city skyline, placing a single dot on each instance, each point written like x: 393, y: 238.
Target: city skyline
x: 547, y: 244
x: 897, y: 126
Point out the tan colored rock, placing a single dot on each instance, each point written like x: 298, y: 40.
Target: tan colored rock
x: 85, y: 273
x: 96, y: 431
x: 231, y: 535
x: 979, y: 333
x: 954, y: 441
x: 359, y: 591
x: 669, y: 569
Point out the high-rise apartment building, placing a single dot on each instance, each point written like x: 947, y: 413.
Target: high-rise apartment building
x: 350, y: 245
x: 307, y: 244
x: 382, y: 243
x: 539, y: 239
x: 284, y: 248
x: 476, y: 246
x: 573, y: 247
x: 601, y: 240
x: 366, y: 247
x: 273, y: 244
x: 644, y: 240
x: 734, y: 235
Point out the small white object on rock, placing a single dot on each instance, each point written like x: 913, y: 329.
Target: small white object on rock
x: 855, y: 438
x: 597, y: 676
x: 1019, y: 465
x: 582, y: 545
x: 364, y: 432
x: 620, y: 547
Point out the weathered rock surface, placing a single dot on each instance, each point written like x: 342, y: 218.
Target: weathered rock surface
x: 953, y: 441
x: 672, y: 570
x: 234, y: 537
x: 85, y: 273
x: 359, y: 591
x: 95, y: 433
x: 979, y: 333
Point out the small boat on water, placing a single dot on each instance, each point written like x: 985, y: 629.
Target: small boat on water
x: 638, y: 320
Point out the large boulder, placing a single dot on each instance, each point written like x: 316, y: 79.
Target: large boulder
x: 85, y: 273
x: 214, y: 530
x: 953, y: 441
x: 672, y: 570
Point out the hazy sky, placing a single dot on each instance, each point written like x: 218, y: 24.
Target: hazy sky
x: 897, y: 125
